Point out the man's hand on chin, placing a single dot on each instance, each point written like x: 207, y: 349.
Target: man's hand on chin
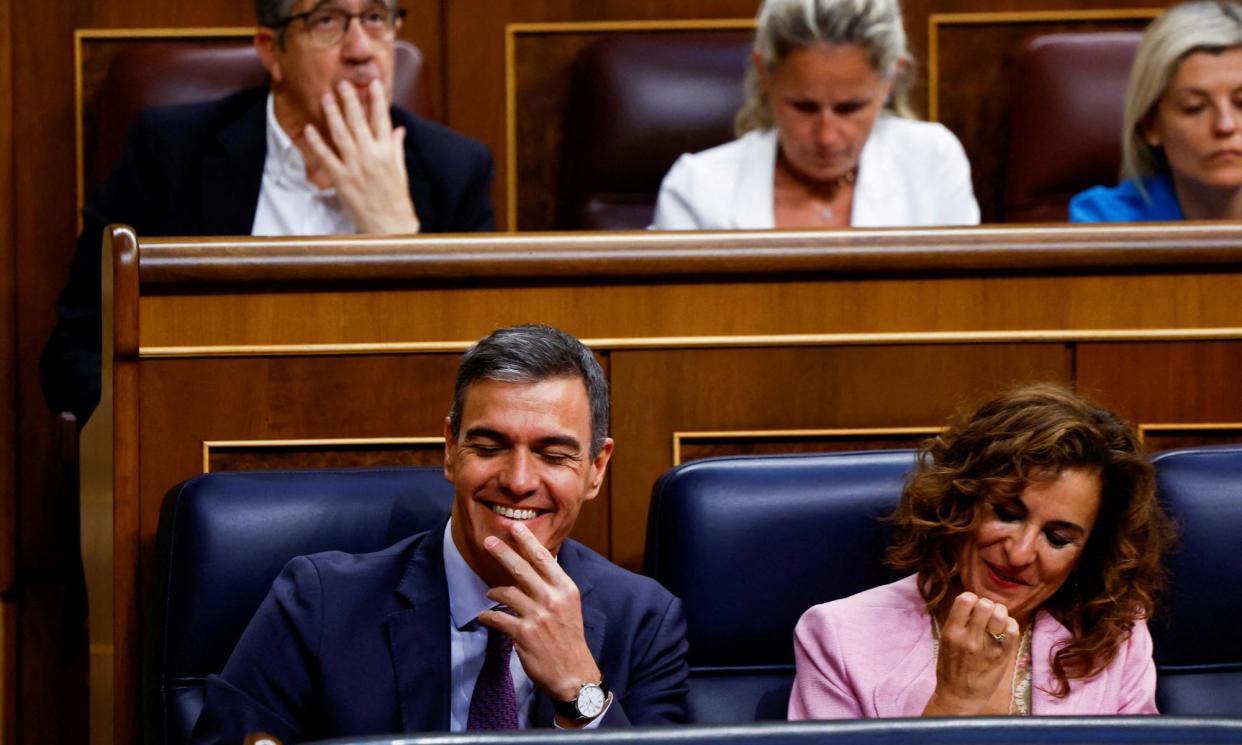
x: 367, y: 164
x: 547, y: 631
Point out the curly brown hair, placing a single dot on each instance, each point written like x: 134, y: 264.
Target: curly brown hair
x: 992, y: 454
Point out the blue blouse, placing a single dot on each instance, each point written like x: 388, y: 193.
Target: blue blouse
x: 1124, y: 202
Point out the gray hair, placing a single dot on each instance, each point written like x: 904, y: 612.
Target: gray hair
x: 1212, y: 26
x: 788, y: 25
x: 271, y: 12
x: 530, y: 354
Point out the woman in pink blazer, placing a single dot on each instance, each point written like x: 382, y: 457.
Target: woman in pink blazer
x: 1036, y: 542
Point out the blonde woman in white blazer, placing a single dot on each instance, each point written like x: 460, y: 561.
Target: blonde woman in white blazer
x: 823, y: 137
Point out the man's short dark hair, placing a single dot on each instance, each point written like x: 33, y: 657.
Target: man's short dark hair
x: 271, y: 12
x: 533, y: 353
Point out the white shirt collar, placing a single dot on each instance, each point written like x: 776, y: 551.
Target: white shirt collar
x: 284, y: 163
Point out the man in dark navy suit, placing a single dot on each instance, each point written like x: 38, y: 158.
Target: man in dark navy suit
x: 495, y: 620
x: 319, y: 152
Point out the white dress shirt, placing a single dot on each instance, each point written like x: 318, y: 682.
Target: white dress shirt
x: 910, y: 173
x: 289, y: 204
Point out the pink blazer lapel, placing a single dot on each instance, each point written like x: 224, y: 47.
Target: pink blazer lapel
x: 1085, y: 696
x: 908, y: 686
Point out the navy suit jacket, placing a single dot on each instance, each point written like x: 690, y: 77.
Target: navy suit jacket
x: 350, y: 644
x: 196, y: 169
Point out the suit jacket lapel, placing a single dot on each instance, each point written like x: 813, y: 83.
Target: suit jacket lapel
x: 909, y: 685
x: 233, y: 174
x: 752, y: 202
x: 1084, y: 698
x: 418, y: 640
x: 877, y: 186
x: 593, y: 623
x: 421, y: 191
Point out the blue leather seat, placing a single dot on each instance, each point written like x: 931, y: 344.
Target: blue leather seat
x: 1197, y: 645
x: 223, y: 538
x: 749, y: 543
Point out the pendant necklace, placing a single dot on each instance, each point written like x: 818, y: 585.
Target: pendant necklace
x: 832, y: 187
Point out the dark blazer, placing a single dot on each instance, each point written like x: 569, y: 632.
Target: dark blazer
x: 359, y: 644
x: 196, y: 169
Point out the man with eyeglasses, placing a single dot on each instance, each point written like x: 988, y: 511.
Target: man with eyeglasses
x: 318, y: 152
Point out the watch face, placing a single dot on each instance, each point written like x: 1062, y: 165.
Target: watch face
x: 591, y: 700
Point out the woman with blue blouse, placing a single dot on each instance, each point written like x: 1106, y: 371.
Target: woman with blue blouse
x: 1182, y: 135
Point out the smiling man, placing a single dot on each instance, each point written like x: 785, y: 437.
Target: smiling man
x: 319, y: 151
x: 495, y: 620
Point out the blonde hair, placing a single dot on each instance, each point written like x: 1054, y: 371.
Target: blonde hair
x: 788, y: 25
x: 1210, y: 26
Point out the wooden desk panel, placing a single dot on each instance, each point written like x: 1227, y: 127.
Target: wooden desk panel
x: 771, y: 389
x: 345, y: 342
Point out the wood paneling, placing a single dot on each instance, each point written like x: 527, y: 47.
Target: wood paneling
x: 261, y: 455
x: 1161, y: 383
x: 1169, y: 438
x: 8, y: 329
x: 688, y: 446
x: 9, y: 514
x: 788, y: 388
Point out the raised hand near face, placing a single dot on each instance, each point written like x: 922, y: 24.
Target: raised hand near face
x: 547, y: 631
x: 972, y: 661
x: 365, y: 161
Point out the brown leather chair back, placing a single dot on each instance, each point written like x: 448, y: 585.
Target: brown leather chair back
x: 1065, y: 132
x: 636, y: 103
x: 166, y: 73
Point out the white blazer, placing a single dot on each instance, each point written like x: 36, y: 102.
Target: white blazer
x: 910, y: 173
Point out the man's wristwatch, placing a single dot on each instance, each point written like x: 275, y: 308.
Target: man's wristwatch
x: 586, y: 705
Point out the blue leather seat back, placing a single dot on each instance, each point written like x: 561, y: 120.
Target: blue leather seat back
x: 223, y: 538
x: 751, y: 542
x: 1197, y: 645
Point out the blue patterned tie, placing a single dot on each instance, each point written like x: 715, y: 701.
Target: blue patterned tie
x: 493, y: 705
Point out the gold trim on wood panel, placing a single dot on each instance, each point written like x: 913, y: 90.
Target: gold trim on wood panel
x: 209, y: 445
x: 771, y: 434
x: 936, y: 20
x: 1034, y: 336
x: 1185, y: 428
x: 565, y: 27
x: 85, y: 34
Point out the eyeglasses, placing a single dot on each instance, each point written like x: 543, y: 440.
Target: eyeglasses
x: 328, y: 24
